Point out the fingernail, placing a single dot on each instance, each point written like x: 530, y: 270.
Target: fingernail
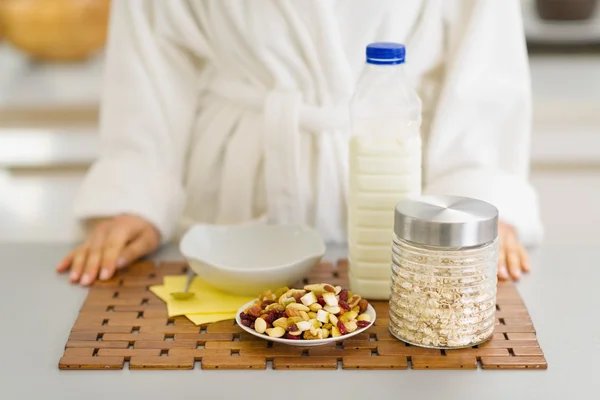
x: 503, y: 274
x: 121, y: 262
x: 86, y: 279
x: 104, y: 274
x: 74, y: 276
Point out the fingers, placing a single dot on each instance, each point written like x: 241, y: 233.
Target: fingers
x: 112, y: 243
x: 78, y: 263
x: 66, y: 262
x: 118, y: 238
x: 143, y: 244
x: 502, y: 267
x: 525, y: 264
x: 94, y: 255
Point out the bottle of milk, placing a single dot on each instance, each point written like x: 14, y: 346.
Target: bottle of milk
x: 385, y: 164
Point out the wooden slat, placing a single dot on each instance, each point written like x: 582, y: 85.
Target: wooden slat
x: 132, y: 338
x: 370, y: 362
x: 270, y: 353
x: 97, y: 344
x: 305, y: 362
x: 236, y: 345
x: 229, y: 362
x: 80, y: 351
x: 398, y: 349
x: 521, y: 336
x: 444, y: 362
x: 224, y: 329
x: 128, y: 353
x: 80, y: 362
x: 514, y: 362
x: 479, y: 352
x: 202, y: 338
x: 148, y: 362
x: 338, y: 353
x: 527, y: 351
x: 198, y: 354
x: 166, y: 344
x: 508, y: 344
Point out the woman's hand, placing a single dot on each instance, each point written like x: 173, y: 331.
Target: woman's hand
x: 113, y: 243
x: 512, y: 257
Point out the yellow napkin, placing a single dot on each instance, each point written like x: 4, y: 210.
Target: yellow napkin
x: 208, y: 304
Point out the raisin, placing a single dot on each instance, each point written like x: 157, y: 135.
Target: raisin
x: 321, y: 301
x: 246, y: 322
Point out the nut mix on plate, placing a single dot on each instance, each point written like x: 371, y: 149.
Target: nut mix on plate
x: 318, y: 311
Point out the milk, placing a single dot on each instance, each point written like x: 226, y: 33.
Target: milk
x: 384, y: 167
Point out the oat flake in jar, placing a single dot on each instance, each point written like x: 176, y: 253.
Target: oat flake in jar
x: 445, y: 255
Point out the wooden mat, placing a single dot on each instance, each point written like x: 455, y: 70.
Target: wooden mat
x: 122, y: 324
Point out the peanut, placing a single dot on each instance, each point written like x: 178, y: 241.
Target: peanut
x: 333, y: 319
x: 282, y: 322
x: 275, y: 306
x: 312, y: 315
x: 304, y: 315
x: 297, y: 306
x: 292, y: 312
x: 276, y: 332
x: 335, y: 332
x: 332, y: 309
x: 260, y: 325
x: 324, y: 333
x: 315, y: 307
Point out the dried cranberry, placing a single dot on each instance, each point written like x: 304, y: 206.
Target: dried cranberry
x: 250, y: 317
x: 342, y: 328
x: 344, y: 295
x: 252, y: 325
x: 344, y: 305
x: 243, y: 315
x: 269, y: 318
x: 321, y: 301
x: 246, y: 322
x: 362, y: 324
x: 292, y: 337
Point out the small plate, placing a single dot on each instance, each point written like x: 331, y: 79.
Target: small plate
x: 303, y: 343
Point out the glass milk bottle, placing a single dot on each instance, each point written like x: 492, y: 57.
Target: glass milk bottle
x: 384, y: 165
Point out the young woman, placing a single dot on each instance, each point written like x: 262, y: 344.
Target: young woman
x: 230, y: 111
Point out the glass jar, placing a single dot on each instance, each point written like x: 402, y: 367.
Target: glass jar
x: 444, y: 271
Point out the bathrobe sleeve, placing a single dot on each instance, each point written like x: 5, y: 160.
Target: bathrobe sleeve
x: 479, y: 140
x: 148, y: 102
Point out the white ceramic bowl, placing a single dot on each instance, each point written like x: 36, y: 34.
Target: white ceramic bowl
x: 304, y: 343
x: 248, y: 259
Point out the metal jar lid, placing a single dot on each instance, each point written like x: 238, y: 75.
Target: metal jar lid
x: 446, y: 221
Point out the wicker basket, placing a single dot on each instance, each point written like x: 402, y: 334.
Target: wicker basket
x: 566, y: 10
x: 55, y: 30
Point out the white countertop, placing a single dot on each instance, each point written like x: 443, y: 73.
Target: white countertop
x: 39, y: 308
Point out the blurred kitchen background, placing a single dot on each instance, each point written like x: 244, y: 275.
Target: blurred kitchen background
x: 50, y: 66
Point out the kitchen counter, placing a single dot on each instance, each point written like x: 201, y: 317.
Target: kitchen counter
x: 39, y: 307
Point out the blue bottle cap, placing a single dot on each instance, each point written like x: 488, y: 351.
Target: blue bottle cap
x: 385, y: 53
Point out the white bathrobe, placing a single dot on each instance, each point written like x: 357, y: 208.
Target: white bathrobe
x: 234, y: 111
